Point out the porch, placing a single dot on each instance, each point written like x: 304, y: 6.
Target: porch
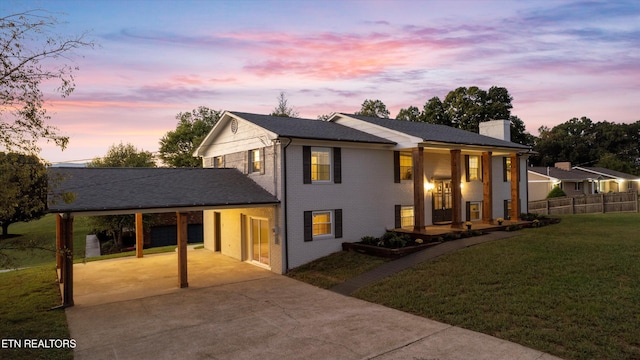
x: 433, y: 231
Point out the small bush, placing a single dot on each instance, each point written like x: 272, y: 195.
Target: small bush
x: 369, y: 240
x: 556, y: 192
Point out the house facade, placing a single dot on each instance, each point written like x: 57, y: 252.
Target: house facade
x: 351, y: 176
x: 578, y: 180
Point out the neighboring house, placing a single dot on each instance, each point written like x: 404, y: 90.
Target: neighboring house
x: 578, y: 180
x: 351, y: 176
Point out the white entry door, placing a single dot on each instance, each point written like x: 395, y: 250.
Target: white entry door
x: 259, y: 240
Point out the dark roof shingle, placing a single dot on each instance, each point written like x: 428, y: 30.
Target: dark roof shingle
x: 438, y: 133
x: 103, y: 189
x: 310, y: 129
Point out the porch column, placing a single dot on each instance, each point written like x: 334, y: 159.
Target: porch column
x: 182, y: 225
x: 515, y: 187
x: 456, y: 193
x: 66, y: 252
x: 417, y: 155
x: 487, y: 188
x: 139, y: 235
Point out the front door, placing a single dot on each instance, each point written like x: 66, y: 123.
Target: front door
x: 442, y: 211
x: 260, y: 240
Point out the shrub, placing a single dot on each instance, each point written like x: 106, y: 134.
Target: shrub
x: 369, y: 240
x: 556, y: 192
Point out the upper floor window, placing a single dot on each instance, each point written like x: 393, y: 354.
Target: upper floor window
x: 406, y: 166
x: 473, y: 167
x: 256, y: 161
x: 321, y: 164
x: 506, y: 165
x: 218, y: 162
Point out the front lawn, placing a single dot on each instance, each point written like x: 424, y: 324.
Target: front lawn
x: 26, y: 297
x: 569, y: 289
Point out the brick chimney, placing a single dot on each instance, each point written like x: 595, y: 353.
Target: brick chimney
x: 565, y: 165
x: 499, y: 129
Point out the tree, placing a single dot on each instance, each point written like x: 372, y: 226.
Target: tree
x: 374, y: 108
x: 519, y: 133
x: 283, y: 108
x: 31, y: 55
x: 570, y: 141
x: 177, y: 146
x: 124, y: 156
x: 433, y: 112
x: 120, y: 156
x: 411, y: 113
x: 23, y: 180
x: 556, y: 192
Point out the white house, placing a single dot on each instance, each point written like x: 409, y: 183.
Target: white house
x: 350, y: 176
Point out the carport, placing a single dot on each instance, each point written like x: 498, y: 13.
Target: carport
x: 122, y: 191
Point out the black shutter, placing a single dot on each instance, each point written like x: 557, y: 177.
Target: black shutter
x: 306, y: 165
x: 337, y: 213
x: 466, y: 167
x: 506, y: 210
x: 398, y: 216
x: 396, y: 167
x: 468, y: 211
x: 337, y: 165
x: 308, y: 226
x: 263, y: 161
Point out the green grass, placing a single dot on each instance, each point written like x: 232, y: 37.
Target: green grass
x: 26, y: 297
x: 336, y: 268
x: 42, y: 233
x: 569, y: 289
x: 155, y: 250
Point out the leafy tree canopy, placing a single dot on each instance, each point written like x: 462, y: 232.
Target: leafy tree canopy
x: 585, y: 143
x: 283, y: 109
x: 124, y: 156
x: 30, y: 55
x: 373, y: 108
x: 23, y: 180
x: 177, y: 146
x: 411, y: 113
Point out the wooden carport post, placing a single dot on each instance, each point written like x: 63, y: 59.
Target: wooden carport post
x: 139, y: 235
x: 59, y: 245
x: 65, y: 228
x: 182, y: 225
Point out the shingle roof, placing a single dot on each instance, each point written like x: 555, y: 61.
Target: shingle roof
x: 310, y: 129
x: 561, y: 174
x: 103, y: 189
x: 610, y: 173
x: 438, y: 133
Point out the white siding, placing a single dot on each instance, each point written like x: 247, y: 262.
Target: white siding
x: 367, y: 196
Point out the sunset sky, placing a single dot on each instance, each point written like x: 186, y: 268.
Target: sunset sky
x: 154, y: 59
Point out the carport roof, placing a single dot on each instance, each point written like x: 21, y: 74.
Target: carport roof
x: 128, y: 190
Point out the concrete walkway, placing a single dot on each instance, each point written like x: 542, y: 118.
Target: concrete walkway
x: 131, y: 309
x: 395, y: 266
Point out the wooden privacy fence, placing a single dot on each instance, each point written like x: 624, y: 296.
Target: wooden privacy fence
x: 596, y: 203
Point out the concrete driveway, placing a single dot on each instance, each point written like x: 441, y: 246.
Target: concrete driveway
x: 132, y: 309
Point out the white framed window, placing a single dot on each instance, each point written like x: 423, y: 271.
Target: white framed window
x: 507, y: 169
x: 255, y: 162
x: 577, y: 186
x: 218, y: 162
x: 475, y: 210
x: 322, y: 223
x: 320, y: 164
x: 406, y: 166
x: 473, y: 167
x: 406, y: 216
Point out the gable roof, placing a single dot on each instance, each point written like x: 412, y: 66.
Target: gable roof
x: 310, y: 129
x: 607, y: 172
x: 129, y: 190
x: 438, y: 133
x: 561, y: 174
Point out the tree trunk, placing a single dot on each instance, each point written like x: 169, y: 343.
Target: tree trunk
x: 5, y: 229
